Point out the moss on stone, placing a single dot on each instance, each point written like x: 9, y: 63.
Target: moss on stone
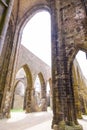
x: 63, y: 126
x: 75, y: 127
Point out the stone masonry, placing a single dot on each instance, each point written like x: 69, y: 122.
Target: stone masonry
x: 68, y: 34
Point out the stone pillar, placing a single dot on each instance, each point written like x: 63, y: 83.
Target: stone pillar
x: 28, y: 100
x: 43, y: 96
x: 77, y: 102
x: 51, y: 103
x: 7, y: 103
x: 85, y: 107
x: 76, y: 94
x: 5, y: 45
x: 51, y: 95
x: 63, y: 96
x: 6, y: 67
x: 9, y: 45
x: 4, y: 21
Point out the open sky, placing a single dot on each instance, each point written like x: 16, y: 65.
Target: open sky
x: 81, y: 58
x: 37, y: 38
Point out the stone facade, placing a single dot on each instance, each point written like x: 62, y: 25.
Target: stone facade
x: 69, y: 32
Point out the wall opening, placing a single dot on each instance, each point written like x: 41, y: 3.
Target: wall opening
x: 19, y: 96
x: 48, y: 94
x: 37, y: 90
x: 82, y: 60
x: 37, y: 36
x: 18, y: 102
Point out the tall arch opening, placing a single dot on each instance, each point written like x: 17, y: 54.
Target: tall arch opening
x: 19, y: 97
x: 19, y: 91
x: 39, y: 94
x: 22, y: 90
x: 37, y: 36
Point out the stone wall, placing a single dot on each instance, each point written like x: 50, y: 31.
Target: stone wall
x: 69, y: 30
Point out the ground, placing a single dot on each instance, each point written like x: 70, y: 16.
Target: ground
x: 32, y: 121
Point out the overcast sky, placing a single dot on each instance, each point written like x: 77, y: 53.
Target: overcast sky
x: 81, y: 58
x: 37, y: 38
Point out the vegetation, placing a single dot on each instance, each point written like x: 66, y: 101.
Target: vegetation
x: 17, y: 110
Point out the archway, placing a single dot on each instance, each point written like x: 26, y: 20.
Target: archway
x: 31, y: 41
x: 39, y: 95
x: 18, y: 101
x: 36, y: 36
x: 15, y: 44
x: 23, y: 89
x: 28, y: 92
x: 80, y: 83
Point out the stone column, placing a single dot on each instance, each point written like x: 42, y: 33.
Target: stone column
x: 28, y: 100
x: 43, y: 96
x: 63, y: 96
x: 84, y: 106
x: 4, y: 44
x: 5, y: 21
x: 6, y: 67
x: 76, y: 94
x: 59, y: 70
x: 7, y: 104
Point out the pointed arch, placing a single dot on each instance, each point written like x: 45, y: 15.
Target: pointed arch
x: 28, y: 75
x: 28, y: 92
x: 43, y: 92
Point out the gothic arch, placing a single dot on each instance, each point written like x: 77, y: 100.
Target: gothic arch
x: 17, y: 83
x: 43, y: 85
x: 28, y: 92
x: 43, y: 92
x: 21, y: 24
x: 18, y: 95
x: 24, y: 20
x: 28, y: 74
x: 30, y: 13
x: 27, y: 16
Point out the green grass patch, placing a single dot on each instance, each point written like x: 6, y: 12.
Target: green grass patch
x: 17, y: 110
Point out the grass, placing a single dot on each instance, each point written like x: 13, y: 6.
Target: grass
x: 17, y: 110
